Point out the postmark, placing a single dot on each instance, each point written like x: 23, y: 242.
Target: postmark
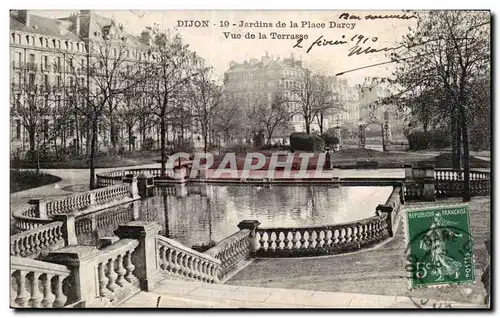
x: 440, y: 247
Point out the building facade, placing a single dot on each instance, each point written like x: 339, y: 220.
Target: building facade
x: 50, y: 64
x: 255, y: 81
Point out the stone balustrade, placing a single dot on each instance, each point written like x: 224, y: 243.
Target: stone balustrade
x: 69, y: 203
x: 42, y: 238
x: 449, y: 182
x: 115, y: 271
x: 106, y: 179
x: 178, y: 260
x: 234, y: 250
x: 427, y: 183
x: 321, y: 240
x: 103, y: 219
x: 115, y: 192
x: 43, y: 211
x: 37, y: 284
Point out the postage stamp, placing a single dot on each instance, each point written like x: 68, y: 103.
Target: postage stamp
x: 440, y: 247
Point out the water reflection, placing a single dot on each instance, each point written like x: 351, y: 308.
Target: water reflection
x: 198, y: 214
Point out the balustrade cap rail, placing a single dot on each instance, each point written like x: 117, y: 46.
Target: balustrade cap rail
x: 27, y: 264
x: 322, y: 227
x: 120, y: 247
x: 175, y: 244
x: 38, y: 229
x: 225, y: 243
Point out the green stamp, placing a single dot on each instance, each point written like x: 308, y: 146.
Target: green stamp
x: 440, y: 249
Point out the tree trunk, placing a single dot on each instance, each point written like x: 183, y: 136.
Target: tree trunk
x: 32, y: 139
x: 465, y: 135
x: 93, y: 146
x: 321, y: 124
x: 162, y: 146
x: 308, y: 126
x: 455, y: 142
x: 130, y: 141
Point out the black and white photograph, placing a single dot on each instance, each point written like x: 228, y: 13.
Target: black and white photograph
x: 244, y: 159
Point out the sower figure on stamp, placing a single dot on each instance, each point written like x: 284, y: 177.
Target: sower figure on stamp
x: 435, y: 242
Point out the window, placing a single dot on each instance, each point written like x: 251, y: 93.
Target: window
x: 18, y: 129
x: 19, y: 58
x: 46, y: 80
x: 45, y: 126
x: 13, y: 37
x: 27, y: 39
x: 19, y: 38
x: 31, y: 79
x: 45, y: 62
x: 41, y: 41
x: 71, y: 46
x: 32, y: 58
x: 46, y: 100
x: 58, y: 81
x: 58, y: 101
x: 46, y: 43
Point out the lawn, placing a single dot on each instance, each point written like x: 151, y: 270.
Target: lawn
x: 103, y: 161
x: 24, y: 180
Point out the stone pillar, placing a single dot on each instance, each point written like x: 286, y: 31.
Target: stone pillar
x: 428, y: 179
x: 134, y: 190
x: 68, y: 229
x: 136, y: 210
x: 338, y: 134
x: 142, y: 184
x: 389, y: 218
x: 408, y: 172
x: 41, y: 207
x: 82, y: 261
x: 362, y: 137
x: 252, y: 226
x: 180, y: 190
x: 145, y: 256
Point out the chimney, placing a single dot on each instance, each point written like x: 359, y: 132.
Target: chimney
x: 24, y: 17
x: 75, y: 26
x: 146, y: 37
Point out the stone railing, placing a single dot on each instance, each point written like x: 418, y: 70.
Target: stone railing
x: 115, y: 272
x: 43, y: 211
x: 115, y: 192
x: 449, y: 182
x: 331, y: 239
x: 102, y: 219
x: 43, y: 238
x: 178, y: 260
x: 106, y: 179
x: 234, y: 250
x: 38, y: 284
x: 321, y: 240
x: 427, y: 183
x: 69, y: 203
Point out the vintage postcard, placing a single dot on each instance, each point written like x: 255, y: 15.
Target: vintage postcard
x: 250, y: 159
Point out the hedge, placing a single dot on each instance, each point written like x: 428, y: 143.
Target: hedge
x: 419, y: 140
x: 305, y: 142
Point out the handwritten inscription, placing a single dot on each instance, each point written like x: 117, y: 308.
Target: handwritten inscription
x: 347, y: 16
x: 362, y: 44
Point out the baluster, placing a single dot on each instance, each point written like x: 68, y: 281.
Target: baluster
x: 264, y: 241
x: 111, y: 275
x: 195, y: 271
x: 312, y: 240
x: 48, y: 296
x: 203, y: 270
x: 328, y: 239
x: 129, y: 267
x: 120, y: 271
x: 320, y: 240
x: 22, y: 294
x: 273, y: 239
x: 304, y: 238
x: 36, y: 297
x: 335, y: 238
x: 60, y: 300
x: 103, y: 280
x: 354, y: 234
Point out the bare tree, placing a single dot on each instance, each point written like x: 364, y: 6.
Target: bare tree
x: 103, y: 78
x: 172, y: 71
x: 30, y: 100
x: 272, y: 115
x: 205, y: 96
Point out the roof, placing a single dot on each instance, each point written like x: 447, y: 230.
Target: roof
x: 98, y: 22
x: 43, y: 26
x: 273, y: 64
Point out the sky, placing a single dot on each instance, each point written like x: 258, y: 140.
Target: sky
x: 212, y: 45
